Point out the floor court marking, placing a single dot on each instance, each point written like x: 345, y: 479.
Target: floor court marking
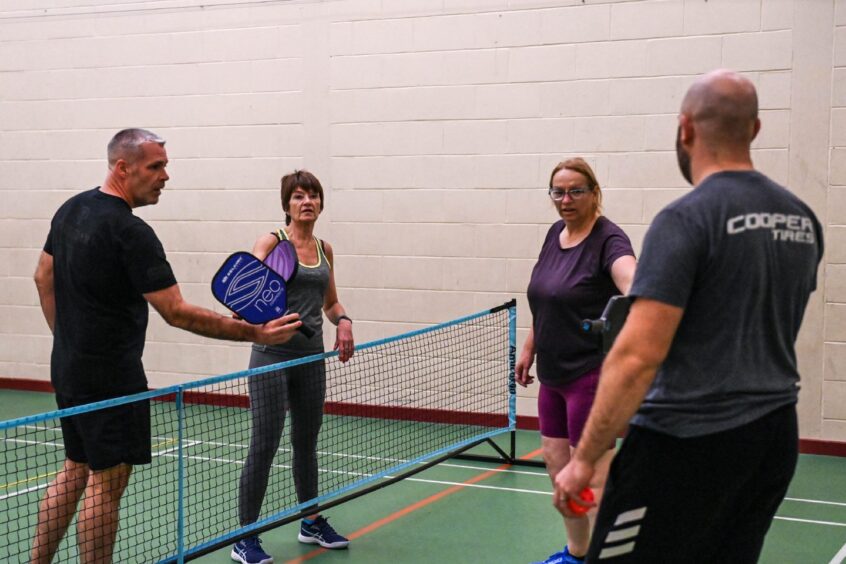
x: 25, y: 480
x: 811, y: 521
x: 324, y: 452
x: 21, y: 492
x: 466, y: 485
x: 800, y: 500
x: 839, y: 557
x: 502, y: 469
x: 414, y: 507
x: 454, y: 486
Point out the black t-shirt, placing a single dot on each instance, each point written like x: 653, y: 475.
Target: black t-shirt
x: 104, y: 259
x: 739, y: 254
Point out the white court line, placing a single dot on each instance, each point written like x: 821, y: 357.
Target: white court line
x: 243, y: 446
x: 500, y: 470
x: 815, y: 501
x: 241, y: 463
x: 190, y: 443
x: 21, y: 492
x: 327, y: 453
x: 480, y: 486
x: 26, y: 442
x: 811, y: 521
x: 40, y: 428
x: 839, y: 557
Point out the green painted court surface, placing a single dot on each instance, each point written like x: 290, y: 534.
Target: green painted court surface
x: 461, y: 511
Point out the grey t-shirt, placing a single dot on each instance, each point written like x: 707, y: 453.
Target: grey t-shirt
x: 739, y: 254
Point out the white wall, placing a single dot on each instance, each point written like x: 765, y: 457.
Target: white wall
x: 433, y: 125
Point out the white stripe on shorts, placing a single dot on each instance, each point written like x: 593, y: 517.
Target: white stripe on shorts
x: 613, y: 551
x: 623, y: 534
x: 618, y: 533
x: 629, y: 516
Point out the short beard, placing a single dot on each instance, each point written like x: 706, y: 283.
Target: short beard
x: 683, y: 158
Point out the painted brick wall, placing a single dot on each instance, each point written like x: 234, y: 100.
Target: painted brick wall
x: 433, y: 126
x: 834, y: 384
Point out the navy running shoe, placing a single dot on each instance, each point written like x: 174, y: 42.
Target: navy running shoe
x: 321, y: 532
x: 248, y: 551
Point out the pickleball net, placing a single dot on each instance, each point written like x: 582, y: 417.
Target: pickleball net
x: 398, y: 406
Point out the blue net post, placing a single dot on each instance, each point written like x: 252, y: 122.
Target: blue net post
x: 180, y: 518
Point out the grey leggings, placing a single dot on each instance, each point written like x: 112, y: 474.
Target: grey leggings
x: 302, y: 389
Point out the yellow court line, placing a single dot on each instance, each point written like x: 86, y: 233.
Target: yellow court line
x: 38, y: 477
x: 164, y: 442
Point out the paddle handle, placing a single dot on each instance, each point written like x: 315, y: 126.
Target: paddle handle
x: 307, y: 331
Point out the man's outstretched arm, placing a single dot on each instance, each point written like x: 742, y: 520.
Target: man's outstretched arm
x: 177, y: 312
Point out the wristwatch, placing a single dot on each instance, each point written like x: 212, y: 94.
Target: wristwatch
x: 340, y: 317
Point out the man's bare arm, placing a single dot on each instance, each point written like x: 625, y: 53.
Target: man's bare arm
x: 46, y: 289
x: 177, y: 312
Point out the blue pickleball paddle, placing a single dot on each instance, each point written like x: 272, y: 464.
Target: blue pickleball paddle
x: 250, y: 288
x: 257, y: 290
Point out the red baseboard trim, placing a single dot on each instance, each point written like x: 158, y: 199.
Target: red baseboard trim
x: 26, y: 385
x: 416, y: 414
x: 806, y: 446
x: 827, y: 448
x: 524, y: 422
x: 528, y: 423
x: 208, y: 398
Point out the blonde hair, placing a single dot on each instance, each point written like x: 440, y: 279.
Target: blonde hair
x: 578, y: 164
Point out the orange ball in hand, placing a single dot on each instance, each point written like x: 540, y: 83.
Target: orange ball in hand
x: 586, y: 495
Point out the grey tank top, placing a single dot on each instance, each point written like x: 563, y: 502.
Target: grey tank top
x: 305, y: 296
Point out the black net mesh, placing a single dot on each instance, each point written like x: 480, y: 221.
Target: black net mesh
x: 260, y: 447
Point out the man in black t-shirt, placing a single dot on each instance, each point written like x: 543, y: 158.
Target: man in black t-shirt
x: 100, y: 267
x: 704, y: 369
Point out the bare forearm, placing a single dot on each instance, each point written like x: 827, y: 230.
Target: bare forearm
x: 48, y: 308
x: 44, y: 283
x: 335, y: 312
x: 208, y: 323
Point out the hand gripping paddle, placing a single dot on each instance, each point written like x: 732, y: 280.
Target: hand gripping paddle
x: 258, y: 291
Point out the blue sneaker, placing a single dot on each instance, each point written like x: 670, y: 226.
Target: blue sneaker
x: 321, y: 532
x: 563, y: 557
x: 248, y: 551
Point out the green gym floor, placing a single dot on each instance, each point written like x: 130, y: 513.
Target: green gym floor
x: 468, y: 512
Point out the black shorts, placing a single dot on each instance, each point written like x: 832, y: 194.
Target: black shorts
x: 107, y: 437
x: 695, y: 500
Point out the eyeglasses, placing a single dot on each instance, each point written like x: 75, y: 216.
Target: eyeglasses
x: 557, y: 194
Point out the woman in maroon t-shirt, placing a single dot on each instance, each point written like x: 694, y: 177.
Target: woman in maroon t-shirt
x: 585, y: 260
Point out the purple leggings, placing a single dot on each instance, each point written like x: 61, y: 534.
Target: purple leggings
x: 563, y: 410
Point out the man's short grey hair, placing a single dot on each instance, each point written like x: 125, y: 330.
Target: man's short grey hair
x: 126, y: 144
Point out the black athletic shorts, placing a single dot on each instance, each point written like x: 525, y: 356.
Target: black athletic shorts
x: 696, y: 500
x: 107, y: 437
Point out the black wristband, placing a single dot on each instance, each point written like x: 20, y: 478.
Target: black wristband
x: 340, y: 317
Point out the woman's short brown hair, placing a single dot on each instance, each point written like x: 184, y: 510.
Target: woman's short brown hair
x: 299, y: 179
x: 578, y: 164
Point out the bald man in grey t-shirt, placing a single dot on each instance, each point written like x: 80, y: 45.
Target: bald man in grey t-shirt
x: 705, y: 368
